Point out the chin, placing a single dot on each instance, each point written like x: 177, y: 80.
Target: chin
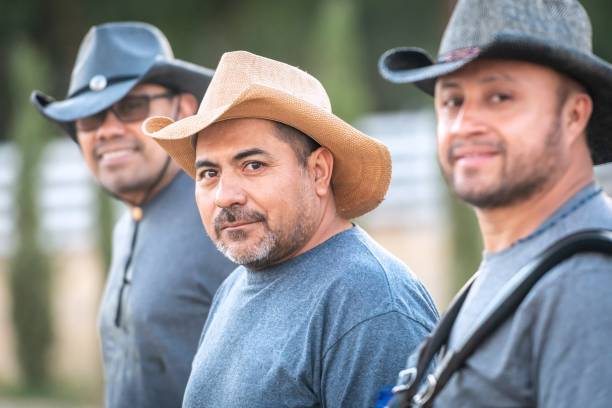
x: 243, y: 253
x: 121, y: 188
x: 478, y: 196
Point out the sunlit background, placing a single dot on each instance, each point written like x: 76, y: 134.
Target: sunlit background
x: 55, y: 224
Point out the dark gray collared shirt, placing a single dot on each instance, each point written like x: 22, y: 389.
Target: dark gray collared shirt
x: 174, y: 273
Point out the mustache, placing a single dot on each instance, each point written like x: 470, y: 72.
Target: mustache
x: 461, y: 144
x: 236, y: 214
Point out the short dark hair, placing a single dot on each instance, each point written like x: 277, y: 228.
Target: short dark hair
x: 302, y: 144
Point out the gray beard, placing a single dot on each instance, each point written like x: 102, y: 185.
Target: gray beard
x: 275, y: 245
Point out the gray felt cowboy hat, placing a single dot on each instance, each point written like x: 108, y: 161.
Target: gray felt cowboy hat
x: 554, y: 33
x: 112, y: 59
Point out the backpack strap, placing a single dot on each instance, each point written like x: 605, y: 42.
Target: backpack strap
x: 410, y: 378
x: 504, y: 305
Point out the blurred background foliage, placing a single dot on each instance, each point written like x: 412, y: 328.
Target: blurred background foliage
x: 338, y: 41
x: 29, y: 270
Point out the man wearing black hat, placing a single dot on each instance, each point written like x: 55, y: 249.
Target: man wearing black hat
x: 164, y: 270
x: 523, y: 110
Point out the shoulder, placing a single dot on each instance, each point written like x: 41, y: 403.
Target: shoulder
x: 581, y: 275
x: 362, y: 276
x: 568, y: 325
x: 356, y: 251
x: 576, y: 277
x: 571, y: 300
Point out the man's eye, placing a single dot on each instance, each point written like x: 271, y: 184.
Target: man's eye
x: 134, y: 106
x: 500, y: 97
x: 452, y: 102
x: 207, y: 174
x: 253, y: 165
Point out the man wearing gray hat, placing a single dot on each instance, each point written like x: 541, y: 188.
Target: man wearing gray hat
x: 164, y: 269
x: 523, y: 113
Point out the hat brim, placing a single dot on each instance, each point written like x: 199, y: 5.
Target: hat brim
x: 177, y: 75
x: 362, y: 165
x: 413, y: 65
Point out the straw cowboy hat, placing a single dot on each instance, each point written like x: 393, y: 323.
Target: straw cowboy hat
x: 249, y: 86
x: 112, y: 59
x: 554, y: 33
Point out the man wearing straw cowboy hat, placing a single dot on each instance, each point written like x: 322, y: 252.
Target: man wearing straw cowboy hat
x: 317, y: 311
x: 524, y: 111
x: 164, y: 270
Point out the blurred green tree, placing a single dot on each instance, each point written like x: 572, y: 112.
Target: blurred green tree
x: 30, y: 271
x: 336, y: 58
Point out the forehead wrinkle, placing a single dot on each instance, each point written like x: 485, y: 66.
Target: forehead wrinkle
x: 502, y: 76
x: 446, y: 83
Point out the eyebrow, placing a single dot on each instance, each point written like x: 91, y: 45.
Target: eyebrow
x: 237, y: 157
x: 250, y: 152
x: 204, y: 163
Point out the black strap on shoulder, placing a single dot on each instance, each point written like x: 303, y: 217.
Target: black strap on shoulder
x: 409, y: 393
x: 411, y: 378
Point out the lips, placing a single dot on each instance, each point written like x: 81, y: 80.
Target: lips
x: 473, y: 153
x: 236, y: 225
x: 114, y: 153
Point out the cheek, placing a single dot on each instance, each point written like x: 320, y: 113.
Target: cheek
x: 525, y: 135
x: 149, y: 148
x: 443, y: 142
x: 205, y: 200
x: 87, y: 146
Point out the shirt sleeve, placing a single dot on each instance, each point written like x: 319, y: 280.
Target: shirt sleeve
x: 368, y: 358
x: 573, y: 342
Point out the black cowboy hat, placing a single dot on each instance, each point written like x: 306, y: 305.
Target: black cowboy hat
x: 112, y: 59
x: 554, y: 33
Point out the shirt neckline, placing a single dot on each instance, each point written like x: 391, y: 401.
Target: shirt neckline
x: 574, y: 203
x: 271, y: 273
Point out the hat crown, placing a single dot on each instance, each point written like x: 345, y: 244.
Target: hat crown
x: 118, y: 50
x: 240, y: 71
x: 475, y: 23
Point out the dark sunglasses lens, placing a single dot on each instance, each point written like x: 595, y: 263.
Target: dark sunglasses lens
x: 132, y: 108
x: 91, y: 122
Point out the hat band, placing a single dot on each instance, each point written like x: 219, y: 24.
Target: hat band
x: 109, y: 81
x: 459, y: 54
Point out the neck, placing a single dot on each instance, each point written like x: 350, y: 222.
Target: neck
x: 329, y: 225
x: 141, y: 197
x: 501, y: 227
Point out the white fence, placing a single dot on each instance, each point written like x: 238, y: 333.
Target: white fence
x: 67, y: 194
x: 66, y: 199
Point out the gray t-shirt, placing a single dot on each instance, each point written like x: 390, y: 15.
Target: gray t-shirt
x: 556, y: 350
x: 328, y: 328
x: 175, y: 271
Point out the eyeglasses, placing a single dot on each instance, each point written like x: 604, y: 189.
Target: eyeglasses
x: 132, y: 108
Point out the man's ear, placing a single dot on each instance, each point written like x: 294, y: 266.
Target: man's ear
x: 577, y: 112
x: 321, y: 167
x: 188, y: 105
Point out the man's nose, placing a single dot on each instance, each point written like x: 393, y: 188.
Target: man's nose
x: 229, y: 192
x: 111, y: 126
x: 468, y: 121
